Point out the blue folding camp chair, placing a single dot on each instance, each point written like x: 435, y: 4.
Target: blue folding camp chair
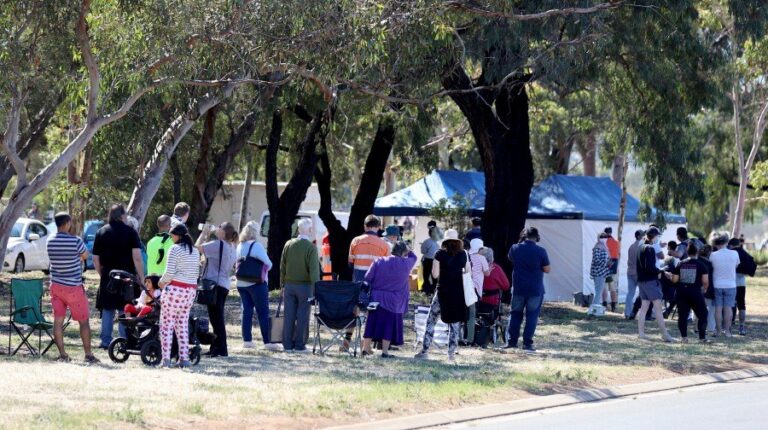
x: 335, y: 310
x: 26, y: 316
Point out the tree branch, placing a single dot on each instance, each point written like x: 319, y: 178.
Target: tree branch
x: 90, y: 62
x: 476, y: 10
x: 10, y: 140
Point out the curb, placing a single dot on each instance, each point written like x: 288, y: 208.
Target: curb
x: 473, y: 413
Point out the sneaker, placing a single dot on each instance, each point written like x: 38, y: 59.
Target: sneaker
x: 529, y: 349
x: 274, y: 347
x: 684, y: 340
x: 668, y: 339
x: 510, y: 346
x: 249, y: 345
x: 166, y: 364
x: 387, y: 355
x: 302, y: 351
x: 705, y: 341
x: 742, y: 331
x: 728, y: 334
x: 422, y: 355
x: 90, y: 359
x: 185, y: 364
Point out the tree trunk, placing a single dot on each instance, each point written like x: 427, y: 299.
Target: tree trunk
x: 154, y: 169
x: 283, y: 209
x: 617, y: 170
x: 32, y: 139
x: 503, y: 140
x: 197, y: 209
x: 244, y: 213
x: 175, y: 177
x: 623, y: 201
x: 340, y: 238
x: 588, y: 152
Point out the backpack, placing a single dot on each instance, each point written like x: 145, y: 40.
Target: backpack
x: 747, y: 265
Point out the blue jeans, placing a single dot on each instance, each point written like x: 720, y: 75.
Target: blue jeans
x: 531, y: 305
x: 255, y: 297
x: 107, y: 325
x: 358, y: 275
x: 631, y: 290
x: 599, y: 285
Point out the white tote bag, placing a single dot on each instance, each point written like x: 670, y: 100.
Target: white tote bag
x: 470, y: 295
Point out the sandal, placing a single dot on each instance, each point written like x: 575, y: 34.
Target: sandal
x: 63, y: 358
x: 91, y: 359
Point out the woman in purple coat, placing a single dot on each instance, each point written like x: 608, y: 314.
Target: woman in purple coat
x: 388, y: 278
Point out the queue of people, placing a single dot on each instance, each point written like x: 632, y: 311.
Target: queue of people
x: 460, y: 274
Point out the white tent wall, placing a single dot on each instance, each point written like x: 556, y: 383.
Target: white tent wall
x: 590, y: 230
x: 561, y: 239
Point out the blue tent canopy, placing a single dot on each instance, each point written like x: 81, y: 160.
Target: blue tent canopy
x: 559, y: 197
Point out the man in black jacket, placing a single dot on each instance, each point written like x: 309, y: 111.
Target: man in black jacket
x: 745, y: 268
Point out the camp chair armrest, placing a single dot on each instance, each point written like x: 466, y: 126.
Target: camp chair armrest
x: 20, y: 310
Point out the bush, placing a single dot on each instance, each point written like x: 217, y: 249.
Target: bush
x: 761, y: 257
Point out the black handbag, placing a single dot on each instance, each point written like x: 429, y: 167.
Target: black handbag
x: 206, y: 288
x: 250, y: 268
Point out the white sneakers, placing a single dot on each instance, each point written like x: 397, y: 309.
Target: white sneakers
x: 274, y: 347
x: 249, y: 345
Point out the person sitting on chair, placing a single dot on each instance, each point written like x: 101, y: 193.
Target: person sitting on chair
x: 388, y: 279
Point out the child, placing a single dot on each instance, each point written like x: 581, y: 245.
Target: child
x: 147, y: 297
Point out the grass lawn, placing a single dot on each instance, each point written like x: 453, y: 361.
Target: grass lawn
x: 258, y: 389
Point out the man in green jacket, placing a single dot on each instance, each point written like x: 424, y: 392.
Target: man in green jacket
x: 159, y: 246
x: 299, y: 271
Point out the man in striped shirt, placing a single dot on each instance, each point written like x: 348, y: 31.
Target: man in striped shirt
x: 367, y: 248
x: 66, y: 254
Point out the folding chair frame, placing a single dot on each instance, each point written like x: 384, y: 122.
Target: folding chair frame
x: 25, y: 338
x: 339, y: 335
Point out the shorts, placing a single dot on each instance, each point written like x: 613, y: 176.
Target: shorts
x: 725, y: 297
x: 650, y: 290
x: 63, y: 297
x: 741, y: 298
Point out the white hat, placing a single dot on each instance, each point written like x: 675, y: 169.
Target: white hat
x: 475, y: 245
x: 451, y: 234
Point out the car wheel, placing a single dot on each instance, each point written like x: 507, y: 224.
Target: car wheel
x: 18, y: 266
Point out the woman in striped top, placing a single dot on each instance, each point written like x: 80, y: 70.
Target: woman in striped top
x: 179, y: 284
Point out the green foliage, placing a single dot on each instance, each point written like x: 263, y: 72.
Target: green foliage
x: 453, y: 213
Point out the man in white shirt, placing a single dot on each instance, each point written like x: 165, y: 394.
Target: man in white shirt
x: 724, y: 262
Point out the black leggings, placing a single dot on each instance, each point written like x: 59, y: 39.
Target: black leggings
x: 691, y: 298
x: 428, y: 287
x: 216, y: 317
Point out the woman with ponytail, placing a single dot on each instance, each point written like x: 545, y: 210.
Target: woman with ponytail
x: 179, y: 284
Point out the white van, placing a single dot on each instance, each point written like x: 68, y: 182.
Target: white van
x: 318, y: 228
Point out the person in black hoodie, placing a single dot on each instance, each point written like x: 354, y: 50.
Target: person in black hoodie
x: 692, y: 278
x: 746, y: 267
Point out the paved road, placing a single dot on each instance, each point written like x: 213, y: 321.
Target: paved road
x: 733, y: 406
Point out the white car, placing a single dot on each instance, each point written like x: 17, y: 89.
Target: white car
x: 27, y: 246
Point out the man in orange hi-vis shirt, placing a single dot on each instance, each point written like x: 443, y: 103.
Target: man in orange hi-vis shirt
x: 367, y: 248
x: 613, y: 254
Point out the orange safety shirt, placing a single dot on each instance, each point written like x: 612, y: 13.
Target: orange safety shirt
x: 366, y: 249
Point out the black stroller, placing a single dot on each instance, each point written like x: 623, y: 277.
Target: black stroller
x: 143, y: 333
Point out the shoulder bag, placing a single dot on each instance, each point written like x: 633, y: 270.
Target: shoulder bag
x: 206, y: 293
x: 249, y: 268
x: 470, y: 294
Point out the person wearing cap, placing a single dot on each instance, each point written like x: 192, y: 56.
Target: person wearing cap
x: 392, y: 235
x: 367, y: 248
x: 480, y: 269
x: 648, y: 275
x: 632, y: 273
x: 428, y: 250
x: 179, y: 285
x: 530, y: 262
x: 448, y: 304
x: 610, y: 281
